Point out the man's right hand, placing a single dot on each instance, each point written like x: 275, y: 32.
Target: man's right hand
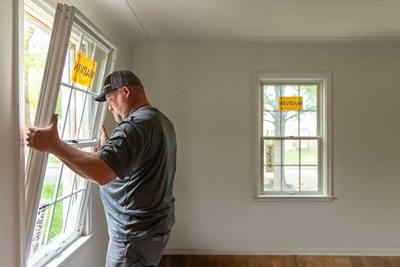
x: 103, y: 136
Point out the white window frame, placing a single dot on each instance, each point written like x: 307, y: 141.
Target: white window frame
x: 325, y: 129
x: 65, y: 17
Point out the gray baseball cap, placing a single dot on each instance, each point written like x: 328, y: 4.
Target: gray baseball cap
x: 116, y: 80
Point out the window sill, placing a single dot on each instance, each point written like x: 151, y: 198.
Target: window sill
x: 261, y: 198
x: 65, y: 255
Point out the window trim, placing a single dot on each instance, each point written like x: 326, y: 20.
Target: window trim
x: 325, y: 99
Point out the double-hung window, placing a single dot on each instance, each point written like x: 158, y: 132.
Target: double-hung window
x: 293, y: 150
x: 78, y: 59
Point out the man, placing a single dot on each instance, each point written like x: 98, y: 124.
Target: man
x: 135, y: 169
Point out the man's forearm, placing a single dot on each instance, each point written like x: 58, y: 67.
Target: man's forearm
x: 86, y: 164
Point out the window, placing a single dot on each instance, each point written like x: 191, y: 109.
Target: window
x: 78, y: 59
x: 293, y: 140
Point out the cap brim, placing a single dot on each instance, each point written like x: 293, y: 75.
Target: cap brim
x: 102, y: 97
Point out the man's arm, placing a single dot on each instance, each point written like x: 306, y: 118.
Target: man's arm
x: 86, y: 164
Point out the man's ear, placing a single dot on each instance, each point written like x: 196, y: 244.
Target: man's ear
x: 126, y: 91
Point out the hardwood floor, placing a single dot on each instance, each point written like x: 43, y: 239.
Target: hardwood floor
x: 277, y: 261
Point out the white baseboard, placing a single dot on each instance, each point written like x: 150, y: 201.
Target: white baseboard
x: 287, y: 251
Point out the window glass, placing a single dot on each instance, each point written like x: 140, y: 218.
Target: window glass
x: 290, y: 125
x: 37, y: 31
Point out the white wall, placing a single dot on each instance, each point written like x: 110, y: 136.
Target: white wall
x: 206, y: 89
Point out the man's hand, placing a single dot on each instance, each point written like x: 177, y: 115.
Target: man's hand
x: 88, y: 165
x: 44, y: 139
x: 103, y: 136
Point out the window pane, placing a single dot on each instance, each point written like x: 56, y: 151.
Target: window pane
x: 290, y: 178
x: 56, y: 221
x: 309, y: 94
x: 309, y: 178
x: 291, y: 123
x: 308, y: 123
x: 69, y: 183
x: 88, y: 115
x: 53, y: 172
x: 36, y: 43
x: 72, y: 115
x: 309, y: 152
x: 77, y: 114
x: 72, y: 213
x: 290, y: 90
x: 271, y: 94
x: 271, y: 123
x: 291, y: 153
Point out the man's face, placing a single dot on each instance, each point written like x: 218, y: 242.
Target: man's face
x: 114, y: 104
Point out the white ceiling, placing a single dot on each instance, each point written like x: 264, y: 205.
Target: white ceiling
x: 257, y: 19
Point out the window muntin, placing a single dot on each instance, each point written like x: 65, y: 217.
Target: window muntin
x: 293, y: 144
x: 62, y: 196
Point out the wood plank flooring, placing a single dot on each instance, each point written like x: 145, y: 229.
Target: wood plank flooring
x: 277, y: 261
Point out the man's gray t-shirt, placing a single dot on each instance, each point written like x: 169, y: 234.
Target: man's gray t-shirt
x: 142, y: 152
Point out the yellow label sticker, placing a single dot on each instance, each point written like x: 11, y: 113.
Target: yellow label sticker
x: 290, y: 103
x: 84, y: 70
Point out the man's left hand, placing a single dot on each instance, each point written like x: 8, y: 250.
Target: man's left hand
x: 44, y: 139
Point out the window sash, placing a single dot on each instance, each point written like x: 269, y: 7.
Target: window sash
x: 280, y: 165
x: 67, y: 20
